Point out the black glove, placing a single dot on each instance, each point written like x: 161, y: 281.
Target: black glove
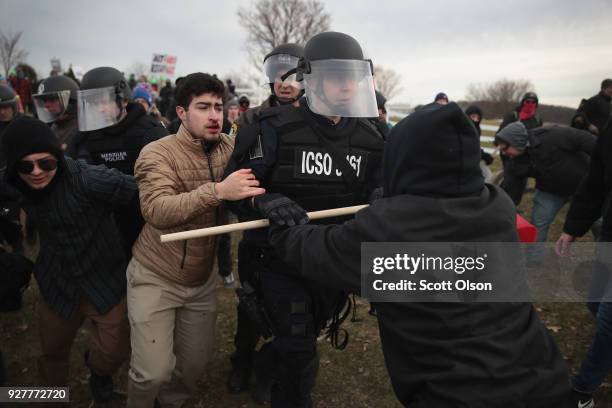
x: 376, y: 194
x: 488, y: 159
x: 280, y: 210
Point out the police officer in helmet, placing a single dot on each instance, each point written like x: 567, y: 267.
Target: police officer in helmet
x: 56, y: 104
x: 276, y: 63
x: 112, y: 131
x: 322, y: 154
x: 8, y: 108
x: 283, y: 91
x: 10, y: 227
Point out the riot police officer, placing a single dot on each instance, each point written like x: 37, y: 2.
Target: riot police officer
x: 56, y: 104
x: 112, y: 131
x: 323, y: 154
x: 8, y: 111
x: 10, y: 227
x: 279, y: 61
x: 283, y: 91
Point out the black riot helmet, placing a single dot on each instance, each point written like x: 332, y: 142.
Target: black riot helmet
x: 530, y: 95
x: 338, y: 81
x: 280, y: 66
x: 100, y: 99
x: 286, y: 49
x: 8, y: 98
x: 56, y: 95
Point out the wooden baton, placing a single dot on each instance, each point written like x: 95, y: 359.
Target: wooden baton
x: 248, y: 225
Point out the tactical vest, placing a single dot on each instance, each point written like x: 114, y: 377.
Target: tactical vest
x: 307, y: 172
x: 115, y: 151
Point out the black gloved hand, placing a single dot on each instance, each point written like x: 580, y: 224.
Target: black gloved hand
x: 488, y: 159
x: 376, y: 194
x: 280, y: 210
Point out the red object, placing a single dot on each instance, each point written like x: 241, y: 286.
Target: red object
x: 528, y: 110
x: 527, y: 231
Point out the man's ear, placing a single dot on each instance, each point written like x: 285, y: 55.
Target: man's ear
x: 181, y: 113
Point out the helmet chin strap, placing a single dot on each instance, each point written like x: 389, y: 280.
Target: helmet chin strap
x: 285, y: 101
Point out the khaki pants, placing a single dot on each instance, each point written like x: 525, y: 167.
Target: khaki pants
x: 110, y: 340
x: 173, y: 330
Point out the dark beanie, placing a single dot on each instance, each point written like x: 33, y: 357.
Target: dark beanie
x: 24, y: 136
x: 515, y: 134
x: 434, y: 152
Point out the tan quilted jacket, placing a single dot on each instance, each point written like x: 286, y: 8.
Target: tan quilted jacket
x: 177, y: 194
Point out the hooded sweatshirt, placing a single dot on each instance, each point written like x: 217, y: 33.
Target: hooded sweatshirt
x: 439, y: 354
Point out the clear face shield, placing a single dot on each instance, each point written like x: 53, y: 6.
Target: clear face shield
x: 342, y: 88
x: 98, y: 108
x: 275, y: 68
x: 51, y: 105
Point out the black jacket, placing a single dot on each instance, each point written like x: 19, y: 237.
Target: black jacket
x: 558, y: 159
x: 594, y: 196
x: 440, y: 354
x: 531, y: 123
x: 594, y: 111
x: 79, y: 255
x: 136, y: 124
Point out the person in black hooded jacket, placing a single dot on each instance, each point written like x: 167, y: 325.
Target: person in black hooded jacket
x: 594, y: 113
x: 475, y: 114
x: 438, y: 354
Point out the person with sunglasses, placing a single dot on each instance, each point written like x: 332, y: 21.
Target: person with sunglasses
x: 80, y: 269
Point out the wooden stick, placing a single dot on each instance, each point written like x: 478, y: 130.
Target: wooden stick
x: 243, y: 226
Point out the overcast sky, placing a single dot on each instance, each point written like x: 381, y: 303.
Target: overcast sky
x: 563, y: 47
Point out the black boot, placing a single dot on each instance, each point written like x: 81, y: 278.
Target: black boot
x: 101, y: 386
x: 239, y: 377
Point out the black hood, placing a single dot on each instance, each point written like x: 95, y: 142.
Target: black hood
x: 434, y: 152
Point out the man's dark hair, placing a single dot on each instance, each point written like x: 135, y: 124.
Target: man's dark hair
x: 606, y: 83
x: 196, y: 84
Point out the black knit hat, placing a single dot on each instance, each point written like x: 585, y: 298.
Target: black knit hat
x: 24, y: 136
x: 434, y: 152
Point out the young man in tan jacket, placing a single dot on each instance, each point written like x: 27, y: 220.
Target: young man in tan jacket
x: 171, y: 287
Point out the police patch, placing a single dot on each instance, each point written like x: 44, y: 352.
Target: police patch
x: 313, y: 163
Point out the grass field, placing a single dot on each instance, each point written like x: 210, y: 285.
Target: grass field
x: 355, y: 377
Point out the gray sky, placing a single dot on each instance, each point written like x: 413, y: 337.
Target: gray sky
x: 563, y: 47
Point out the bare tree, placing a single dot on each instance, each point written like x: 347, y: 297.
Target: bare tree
x: 10, y: 53
x: 274, y: 22
x: 503, y: 91
x: 388, y: 81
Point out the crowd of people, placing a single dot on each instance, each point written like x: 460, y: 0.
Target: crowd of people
x: 103, y: 167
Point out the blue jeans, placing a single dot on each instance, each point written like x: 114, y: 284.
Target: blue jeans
x: 598, y: 361
x: 546, y: 206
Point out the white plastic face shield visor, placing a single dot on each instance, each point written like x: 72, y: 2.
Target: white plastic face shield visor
x: 51, y: 105
x: 342, y: 88
x: 98, y: 108
x: 278, y: 65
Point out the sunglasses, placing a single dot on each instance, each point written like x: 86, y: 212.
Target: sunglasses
x: 27, y: 166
